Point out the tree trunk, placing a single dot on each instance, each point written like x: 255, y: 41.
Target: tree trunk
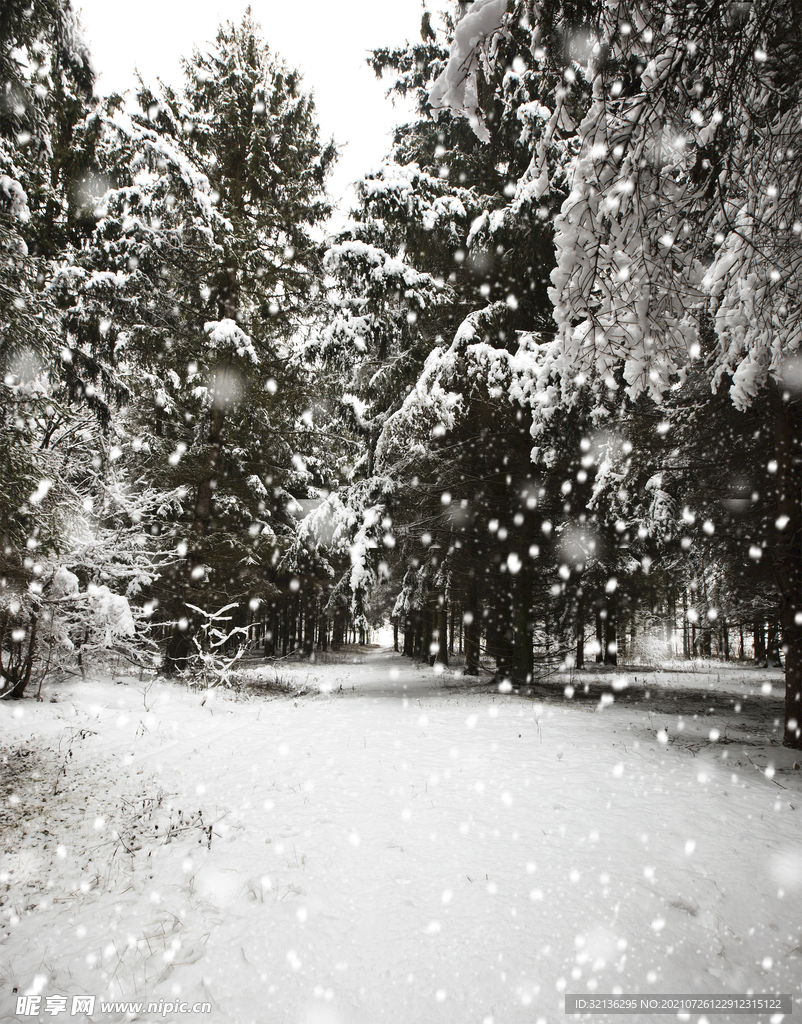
x: 523, y: 656
x: 580, y: 631
x: 773, y: 645
x: 759, y: 641
x: 426, y: 636
x: 292, y: 631
x: 673, y: 648
x: 269, y: 637
x: 788, y: 553
x: 491, y: 633
x: 176, y: 655
x: 611, y: 633
x: 206, y: 487
x: 599, y: 636
x: 419, y: 617
x: 16, y: 671
x: 707, y: 642
x: 309, y: 633
x: 338, y: 628
x: 441, y: 657
x: 505, y: 643
x: 504, y: 621
x: 409, y: 636
x: 472, y: 622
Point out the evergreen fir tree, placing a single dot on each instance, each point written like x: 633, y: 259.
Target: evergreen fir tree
x: 200, y: 271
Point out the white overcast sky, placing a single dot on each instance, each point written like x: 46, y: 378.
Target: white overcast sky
x: 326, y: 40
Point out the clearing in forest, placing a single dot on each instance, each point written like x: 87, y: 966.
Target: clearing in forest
x: 389, y: 844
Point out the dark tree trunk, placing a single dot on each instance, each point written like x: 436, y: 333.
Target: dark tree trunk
x: 269, y: 637
x: 788, y: 552
x: 668, y: 631
x: 285, y: 629
x: 409, y: 636
x: 309, y: 633
x: 441, y: 614
x: 293, y: 633
x: 472, y: 620
x: 505, y: 651
x: 773, y: 645
x: 428, y: 630
x: 491, y: 634
x: 338, y: 628
x: 599, y: 636
x: 707, y: 642
x: 610, y: 633
x: 16, y: 661
x: 522, y: 617
x: 580, y: 631
x: 523, y: 653
x: 503, y: 616
x: 760, y: 640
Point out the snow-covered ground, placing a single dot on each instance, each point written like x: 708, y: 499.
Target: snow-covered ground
x: 395, y: 846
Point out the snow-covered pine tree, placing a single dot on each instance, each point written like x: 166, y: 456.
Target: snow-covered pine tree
x: 200, y: 270
x: 684, y: 197
x: 251, y: 128
x: 41, y: 57
x: 45, y: 79
x: 407, y: 270
x: 497, y: 268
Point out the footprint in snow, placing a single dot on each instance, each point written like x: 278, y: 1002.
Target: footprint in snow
x: 687, y: 907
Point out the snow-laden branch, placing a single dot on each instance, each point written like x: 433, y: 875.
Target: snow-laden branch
x: 472, y: 46
x: 684, y: 189
x: 227, y: 337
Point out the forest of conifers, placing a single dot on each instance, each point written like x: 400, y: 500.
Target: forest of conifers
x: 537, y: 403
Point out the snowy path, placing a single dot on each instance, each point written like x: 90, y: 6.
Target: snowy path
x: 396, y: 851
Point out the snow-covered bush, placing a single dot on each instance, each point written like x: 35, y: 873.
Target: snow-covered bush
x: 52, y: 621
